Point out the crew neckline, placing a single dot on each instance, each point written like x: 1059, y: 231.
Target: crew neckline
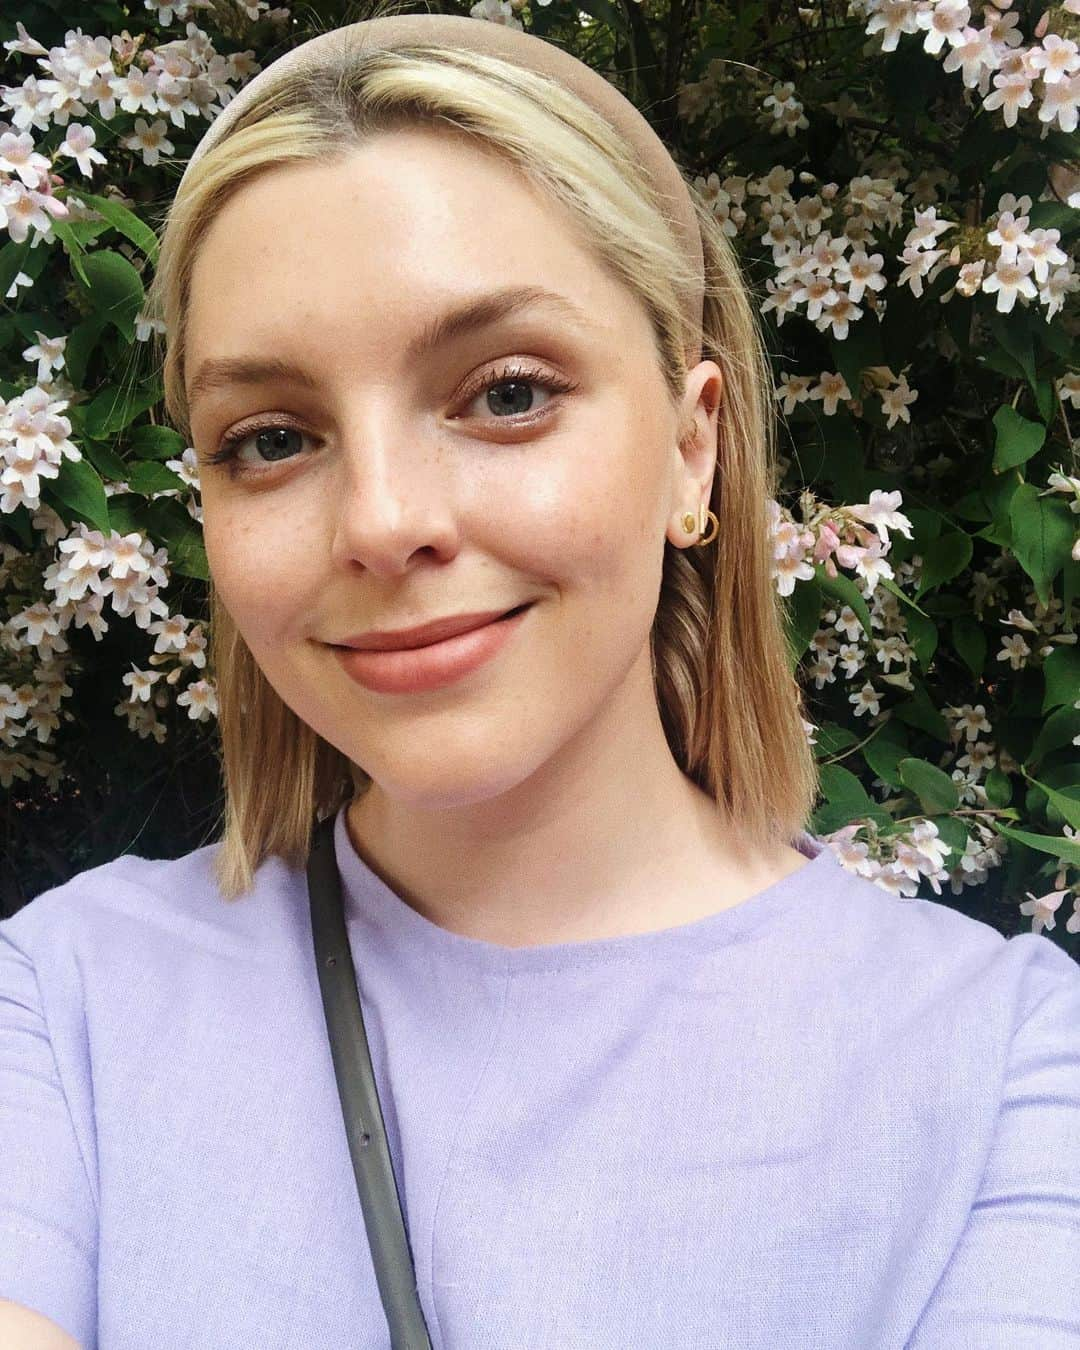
x: 366, y: 896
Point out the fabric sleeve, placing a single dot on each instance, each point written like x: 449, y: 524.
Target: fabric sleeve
x: 48, y: 1214
x: 1013, y: 1281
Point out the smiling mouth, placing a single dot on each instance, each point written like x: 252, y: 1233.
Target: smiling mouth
x: 412, y: 670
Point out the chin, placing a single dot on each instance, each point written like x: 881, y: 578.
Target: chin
x: 441, y: 776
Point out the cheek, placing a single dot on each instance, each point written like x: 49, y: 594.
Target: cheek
x: 593, y: 517
x: 257, y: 571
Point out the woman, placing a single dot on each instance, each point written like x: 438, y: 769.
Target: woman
x: 458, y: 349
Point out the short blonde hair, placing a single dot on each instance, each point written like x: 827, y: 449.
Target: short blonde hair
x: 730, y: 705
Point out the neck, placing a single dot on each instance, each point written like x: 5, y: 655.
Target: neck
x: 608, y: 837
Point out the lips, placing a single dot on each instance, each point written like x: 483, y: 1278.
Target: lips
x: 413, y: 670
x: 424, y: 635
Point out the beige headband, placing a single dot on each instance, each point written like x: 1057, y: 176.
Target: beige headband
x: 517, y: 48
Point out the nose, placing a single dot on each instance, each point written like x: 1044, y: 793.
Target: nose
x: 392, y: 498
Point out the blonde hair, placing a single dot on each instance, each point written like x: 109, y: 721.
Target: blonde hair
x: 729, y: 702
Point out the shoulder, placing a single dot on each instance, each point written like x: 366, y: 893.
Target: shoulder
x: 907, y: 953
x: 141, y: 906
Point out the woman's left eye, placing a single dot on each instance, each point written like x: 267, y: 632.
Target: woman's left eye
x: 508, y: 392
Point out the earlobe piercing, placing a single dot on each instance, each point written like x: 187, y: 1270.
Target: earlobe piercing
x: 689, y: 521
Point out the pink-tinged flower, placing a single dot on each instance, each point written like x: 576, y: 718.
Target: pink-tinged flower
x: 827, y: 541
x: 1057, y: 58
x: 1010, y: 279
x: 1042, y: 908
x: 1011, y: 92
x: 872, y: 566
x: 21, y: 208
x: 882, y: 512
x: 79, y: 144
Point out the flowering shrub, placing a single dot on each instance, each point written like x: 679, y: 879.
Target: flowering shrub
x: 902, y: 181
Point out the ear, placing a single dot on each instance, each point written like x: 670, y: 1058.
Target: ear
x: 696, y: 451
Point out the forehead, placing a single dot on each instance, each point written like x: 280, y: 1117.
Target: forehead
x: 384, y: 234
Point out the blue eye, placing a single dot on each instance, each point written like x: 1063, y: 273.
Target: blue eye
x: 275, y: 441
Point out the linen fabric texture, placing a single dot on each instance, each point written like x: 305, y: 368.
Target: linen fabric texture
x: 823, y: 1118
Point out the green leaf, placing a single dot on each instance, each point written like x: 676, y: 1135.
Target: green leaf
x: 969, y: 639
x: 1059, y: 729
x: 888, y: 584
x: 883, y: 756
x: 846, y: 800
x: 1012, y: 332
x: 115, y: 289
x: 1054, y: 216
x: 1066, y: 804
x: 918, y: 711
x: 124, y: 222
x: 943, y: 559
x: 861, y: 348
x: 78, y: 486
x: 148, y: 476
x: 842, y: 588
x: 1061, y: 670
x: 169, y: 523
x: 75, y: 251
x: 81, y: 344
x: 1050, y: 334
x: 923, y: 635
x: 971, y: 507
x: 998, y: 788
x: 927, y: 524
x: 954, y: 833
x: 1043, y: 532
x: 1045, y: 399
x: 803, y: 610
x: 113, y: 409
x: 154, y: 442
x: 13, y: 259
x: 107, y: 462
x: 934, y: 788
x: 830, y: 739
x: 1066, y: 849
x: 1017, y: 439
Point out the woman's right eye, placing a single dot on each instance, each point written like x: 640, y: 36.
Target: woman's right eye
x: 272, y: 442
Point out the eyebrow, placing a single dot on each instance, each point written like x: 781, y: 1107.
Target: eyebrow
x: 481, y: 311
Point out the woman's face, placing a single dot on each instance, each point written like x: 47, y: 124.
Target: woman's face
x: 388, y: 474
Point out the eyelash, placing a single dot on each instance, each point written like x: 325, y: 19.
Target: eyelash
x: 515, y: 372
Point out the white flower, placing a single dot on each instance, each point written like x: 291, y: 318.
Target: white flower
x: 979, y: 756
x: 149, y: 139
x: 21, y: 279
x: 49, y: 354
x: 200, y: 699
x: 882, y: 512
x: 851, y: 853
x: 970, y: 720
x: 1042, y: 909
x: 498, y: 11
x: 1056, y: 58
x: 79, y: 144
x: 894, y: 878
x: 1014, y: 650
x: 18, y: 156
x: 831, y: 388
x: 141, y: 682
x: 1010, y: 279
x: 865, y: 700
x: 869, y: 563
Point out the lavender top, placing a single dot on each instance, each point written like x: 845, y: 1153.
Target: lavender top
x: 827, y: 1117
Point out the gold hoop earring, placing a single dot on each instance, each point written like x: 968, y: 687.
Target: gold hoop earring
x: 714, y: 526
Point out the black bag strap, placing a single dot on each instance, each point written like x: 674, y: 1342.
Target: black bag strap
x: 359, y: 1096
